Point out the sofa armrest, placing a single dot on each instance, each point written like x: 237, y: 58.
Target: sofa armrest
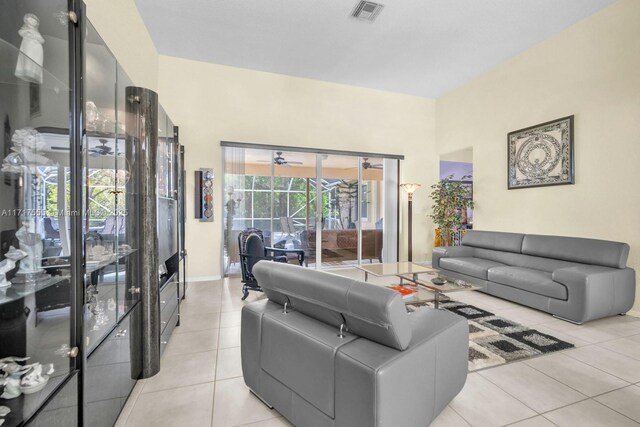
x: 430, y: 372
x: 595, y: 291
x: 449, y: 252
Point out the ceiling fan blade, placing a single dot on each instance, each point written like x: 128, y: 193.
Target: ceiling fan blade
x: 60, y: 148
x: 294, y: 163
x: 377, y: 167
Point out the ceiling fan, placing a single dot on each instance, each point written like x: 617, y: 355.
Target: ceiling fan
x: 366, y: 165
x: 279, y: 160
x: 101, y: 150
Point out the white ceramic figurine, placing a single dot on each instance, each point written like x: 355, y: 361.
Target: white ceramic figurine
x: 29, y: 66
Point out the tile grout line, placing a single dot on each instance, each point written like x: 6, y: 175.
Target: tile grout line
x: 539, y: 413
x: 560, y: 382
x: 175, y: 388
x: 575, y: 389
x: 215, y: 374
x: 192, y: 352
x: 591, y: 366
x: 582, y: 339
x: 617, y: 352
x: 530, y: 418
x: 595, y: 401
x: 613, y: 409
x: 457, y: 413
x: 133, y: 406
x: 602, y: 370
x: 582, y: 400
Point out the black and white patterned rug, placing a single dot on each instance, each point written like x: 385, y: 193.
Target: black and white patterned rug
x: 494, y: 340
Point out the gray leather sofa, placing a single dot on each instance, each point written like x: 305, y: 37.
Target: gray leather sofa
x: 572, y: 278
x: 390, y: 368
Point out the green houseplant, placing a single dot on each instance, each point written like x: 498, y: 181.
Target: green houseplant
x: 450, y: 198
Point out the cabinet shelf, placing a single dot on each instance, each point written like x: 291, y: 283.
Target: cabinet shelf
x: 10, y: 54
x: 25, y: 405
x: 91, y: 266
x: 17, y: 291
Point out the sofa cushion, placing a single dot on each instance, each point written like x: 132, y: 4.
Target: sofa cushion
x: 535, y: 281
x: 508, y: 242
x: 474, y: 267
x: 372, y: 312
x: 575, y: 249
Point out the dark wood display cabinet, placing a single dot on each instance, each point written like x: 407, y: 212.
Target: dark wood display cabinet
x: 91, y: 173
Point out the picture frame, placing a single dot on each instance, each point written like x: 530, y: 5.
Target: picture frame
x: 541, y: 155
x: 204, y: 194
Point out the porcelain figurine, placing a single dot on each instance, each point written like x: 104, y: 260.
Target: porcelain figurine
x: 28, y: 143
x: 31, y: 58
x: 36, y: 378
x: 31, y: 244
x: 9, y: 365
x: 12, y: 386
x: 14, y: 255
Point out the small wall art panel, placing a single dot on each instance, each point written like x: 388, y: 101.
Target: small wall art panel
x: 204, y: 194
x: 541, y: 155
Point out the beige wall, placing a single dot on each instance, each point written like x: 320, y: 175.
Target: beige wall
x: 211, y: 103
x: 120, y: 25
x: 589, y: 70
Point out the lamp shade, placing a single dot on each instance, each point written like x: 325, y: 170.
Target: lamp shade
x: 410, y: 187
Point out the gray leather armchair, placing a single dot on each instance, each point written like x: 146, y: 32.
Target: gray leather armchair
x: 386, y: 367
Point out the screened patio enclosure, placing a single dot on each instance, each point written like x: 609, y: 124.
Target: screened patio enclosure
x: 340, y: 208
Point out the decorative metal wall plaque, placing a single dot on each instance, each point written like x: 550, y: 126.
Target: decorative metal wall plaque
x: 204, y: 194
x: 541, y: 155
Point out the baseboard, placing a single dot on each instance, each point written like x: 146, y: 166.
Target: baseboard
x: 203, y: 278
x: 634, y: 313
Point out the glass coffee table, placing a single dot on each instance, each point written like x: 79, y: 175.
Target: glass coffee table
x: 420, y: 280
x: 439, y: 285
x: 393, y: 269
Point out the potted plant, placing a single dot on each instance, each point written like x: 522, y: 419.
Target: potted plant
x: 450, y: 200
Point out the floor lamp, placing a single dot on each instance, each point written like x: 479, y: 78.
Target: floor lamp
x: 410, y: 188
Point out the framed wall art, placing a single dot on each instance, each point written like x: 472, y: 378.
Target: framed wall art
x: 541, y: 155
x: 204, y: 194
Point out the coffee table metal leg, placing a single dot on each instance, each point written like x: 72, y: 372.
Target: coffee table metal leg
x: 366, y: 276
x: 436, y: 302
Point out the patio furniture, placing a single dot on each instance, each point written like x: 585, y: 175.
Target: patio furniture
x: 252, y: 250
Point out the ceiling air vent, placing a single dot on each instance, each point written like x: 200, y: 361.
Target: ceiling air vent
x: 367, y: 10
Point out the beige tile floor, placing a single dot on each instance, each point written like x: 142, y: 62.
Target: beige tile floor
x: 595, y: 384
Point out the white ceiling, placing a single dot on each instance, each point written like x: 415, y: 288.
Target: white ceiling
x: 419, y: 47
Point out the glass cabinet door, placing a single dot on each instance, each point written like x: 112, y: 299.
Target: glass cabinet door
x: 102, y: 225
x: 35, y: 288
x: 167, y: 203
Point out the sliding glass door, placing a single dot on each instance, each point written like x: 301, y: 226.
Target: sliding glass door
x: 338, y: 195
x: 328, y: 204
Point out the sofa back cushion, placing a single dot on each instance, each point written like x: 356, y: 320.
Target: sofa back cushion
x: 575, y: 249
x: 506, y: 242
x: 370, y: 311
x: 525, y: 261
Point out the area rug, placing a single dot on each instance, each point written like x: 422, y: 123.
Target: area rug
x: 494, y: 340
